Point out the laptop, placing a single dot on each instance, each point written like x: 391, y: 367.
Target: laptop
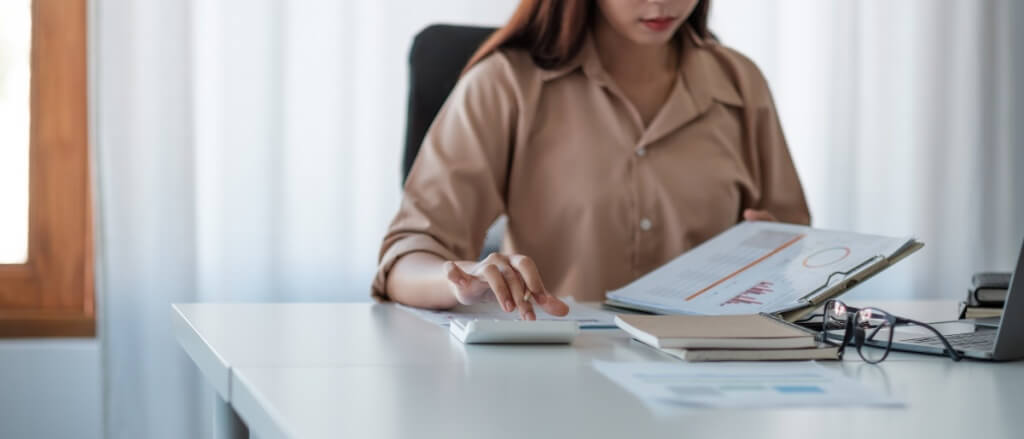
x: 995, y: 339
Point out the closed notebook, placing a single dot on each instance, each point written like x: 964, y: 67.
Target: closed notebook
x: 822, y: 351
x: 977, y: 312
x: 989, y: 289
x: 753, y: 331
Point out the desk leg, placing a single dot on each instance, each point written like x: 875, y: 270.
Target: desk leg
x: 226, y: 423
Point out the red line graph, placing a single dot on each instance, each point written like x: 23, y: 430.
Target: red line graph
x: 749, y: 297
x: 737, y: 272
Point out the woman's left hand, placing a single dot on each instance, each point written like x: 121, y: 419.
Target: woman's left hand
x: 758, y: 215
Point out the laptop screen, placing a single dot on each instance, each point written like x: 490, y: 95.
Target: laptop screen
x: 1010, y: 338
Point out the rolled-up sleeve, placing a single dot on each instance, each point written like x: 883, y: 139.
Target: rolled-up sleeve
x: 457, y: 185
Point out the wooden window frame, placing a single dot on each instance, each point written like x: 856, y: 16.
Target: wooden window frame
x: 52, y: 294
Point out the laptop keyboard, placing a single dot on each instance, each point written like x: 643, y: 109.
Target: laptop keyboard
x: 974, y: 341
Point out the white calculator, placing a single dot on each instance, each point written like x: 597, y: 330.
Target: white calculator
x: 514, y: 331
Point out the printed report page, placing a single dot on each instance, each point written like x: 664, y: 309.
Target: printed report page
x: 755, y: 267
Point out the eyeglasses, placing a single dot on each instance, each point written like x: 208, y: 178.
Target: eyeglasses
x: 870, y: 326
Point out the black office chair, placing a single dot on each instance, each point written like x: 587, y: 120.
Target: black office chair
x: 438, y: 55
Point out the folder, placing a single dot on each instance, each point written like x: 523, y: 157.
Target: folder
x: 763, y: 267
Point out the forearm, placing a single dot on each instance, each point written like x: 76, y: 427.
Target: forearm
x: 418, y: 279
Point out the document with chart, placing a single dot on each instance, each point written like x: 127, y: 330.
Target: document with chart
x: 762, y: 267
x: 668, y: 387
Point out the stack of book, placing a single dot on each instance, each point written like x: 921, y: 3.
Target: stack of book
x: 751, y: 337
x: 986, y: 296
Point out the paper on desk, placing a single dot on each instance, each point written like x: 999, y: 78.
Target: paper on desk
x: 755, y: 267
x: 746, y: 385
x: 586, y: 316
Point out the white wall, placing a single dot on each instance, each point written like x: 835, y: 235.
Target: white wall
x: 50, y: 389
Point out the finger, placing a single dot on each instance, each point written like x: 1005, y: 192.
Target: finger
x: 456, y: 275
x: 495, y: 258
x: 496, y: 281
x: 554, y: 306
x: 498, y: 260
x: 462, y: 284
x: 518, y: 290
x: 757, y: 215
x: 527, y: 270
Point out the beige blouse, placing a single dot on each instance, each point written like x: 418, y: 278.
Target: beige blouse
x: 593, y: 196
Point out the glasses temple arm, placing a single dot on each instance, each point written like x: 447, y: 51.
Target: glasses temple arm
x: 949, y: 348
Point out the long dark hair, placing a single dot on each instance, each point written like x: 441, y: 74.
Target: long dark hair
x: 553, y: 30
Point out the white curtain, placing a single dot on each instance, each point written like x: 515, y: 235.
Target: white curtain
x: 904, y: 118
x: 250, y: 150
x: 247, y: 150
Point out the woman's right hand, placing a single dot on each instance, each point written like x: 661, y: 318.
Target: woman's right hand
x: 509, y: 279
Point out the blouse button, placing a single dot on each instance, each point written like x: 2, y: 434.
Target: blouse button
x: 640, y: 152
x: 645, y: 224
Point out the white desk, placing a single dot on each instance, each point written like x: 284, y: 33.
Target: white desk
x: 364, y: 370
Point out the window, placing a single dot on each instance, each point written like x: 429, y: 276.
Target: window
x: 15, y: 36
x: 46, y: 270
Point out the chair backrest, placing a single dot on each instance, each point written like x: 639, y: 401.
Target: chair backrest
x: 438, y: 55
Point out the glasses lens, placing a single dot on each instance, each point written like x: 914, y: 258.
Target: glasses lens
x: 833, y: 322
x: 876, y: 328
x: 835, y: 315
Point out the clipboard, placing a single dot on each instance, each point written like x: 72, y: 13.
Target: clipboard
x: 849, y: 279
x: 748, y: 264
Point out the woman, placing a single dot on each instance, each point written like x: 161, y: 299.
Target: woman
x: 614, y: 134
